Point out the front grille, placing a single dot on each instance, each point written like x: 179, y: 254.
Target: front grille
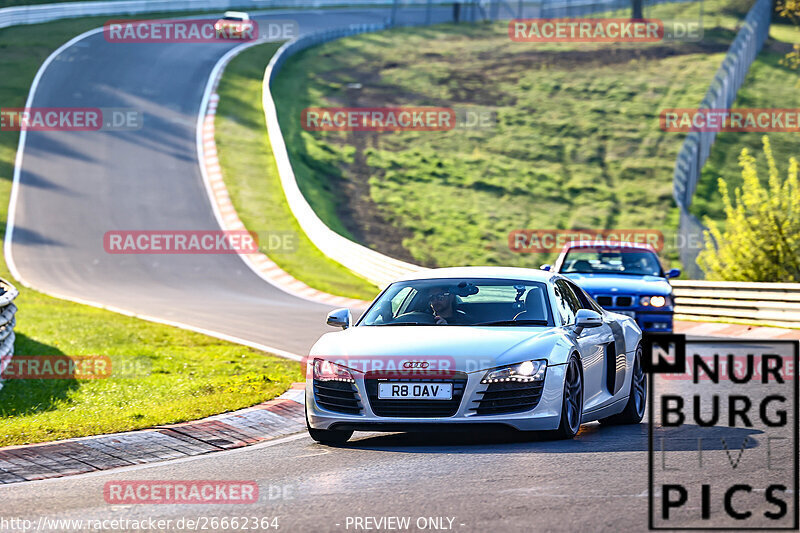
x: 416, y: 408
x: 509, y: 397
x: 614, y: 301
x: 339, y: 396
x: 624, y: 301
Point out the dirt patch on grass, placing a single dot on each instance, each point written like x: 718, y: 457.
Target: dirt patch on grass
x: 603, y: 56
x: 356, y: 210
x: 360, y: 214
x: 476, y: 80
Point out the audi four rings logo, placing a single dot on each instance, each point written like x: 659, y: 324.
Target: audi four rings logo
x: 416, y: 364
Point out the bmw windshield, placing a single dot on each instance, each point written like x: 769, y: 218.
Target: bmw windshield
x: 462, y: 302
x: 611, y: 261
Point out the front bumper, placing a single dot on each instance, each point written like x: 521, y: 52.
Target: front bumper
x: 544, y: 416
x: 647, y: 320
x: 655, y: 321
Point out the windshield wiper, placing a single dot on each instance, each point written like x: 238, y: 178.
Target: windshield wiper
x: 513, y: 323
x: 398, y: 324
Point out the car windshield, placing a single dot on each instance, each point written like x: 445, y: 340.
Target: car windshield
x: 462, y: 302
x: 611, y: 261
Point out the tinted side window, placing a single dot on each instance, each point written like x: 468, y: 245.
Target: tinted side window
x: 568, y: 303
x: 401, y: 298
x: 585, y: 301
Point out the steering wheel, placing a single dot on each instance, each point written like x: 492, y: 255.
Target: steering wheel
x: 416, y: 316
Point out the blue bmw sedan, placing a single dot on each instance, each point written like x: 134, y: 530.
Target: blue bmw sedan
x: 625, y: 278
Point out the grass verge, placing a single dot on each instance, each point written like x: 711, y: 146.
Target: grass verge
x: 251, y: 177
x: 191, y: 375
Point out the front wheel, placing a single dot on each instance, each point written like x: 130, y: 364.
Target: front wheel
x: 328, y: 436
x: 634, y: 409
x: 572, y: 404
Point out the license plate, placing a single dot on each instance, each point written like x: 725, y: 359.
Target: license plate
x: 631, y: 314
x: 415, y: 391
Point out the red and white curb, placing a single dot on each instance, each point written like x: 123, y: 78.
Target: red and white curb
x: 230, y: 221
x: 739, y: 331
x: 266, y: 421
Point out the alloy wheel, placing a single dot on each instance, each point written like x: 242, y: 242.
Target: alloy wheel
x: 573, y: 395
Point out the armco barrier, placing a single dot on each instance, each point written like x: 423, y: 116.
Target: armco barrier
x: 8, y: 310
x: 697, y: 145
x: 35, y: 14
x: 38, y: 13
x: 768, y: 304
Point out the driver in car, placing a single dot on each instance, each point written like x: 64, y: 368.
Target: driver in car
x: 443, y: 304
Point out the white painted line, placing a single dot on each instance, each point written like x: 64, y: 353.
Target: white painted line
x: 216, y: 334
x: 203, y: 134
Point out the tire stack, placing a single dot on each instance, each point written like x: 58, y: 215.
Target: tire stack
x: 7, y: 322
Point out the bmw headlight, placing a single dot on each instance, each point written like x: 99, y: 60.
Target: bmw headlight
x: 327, y: 371
x: 654, y: 301
x: 524, y: 371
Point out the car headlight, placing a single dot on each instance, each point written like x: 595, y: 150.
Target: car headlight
x: 653, y: 301
x: 327, y: 371
x: 524, y: 371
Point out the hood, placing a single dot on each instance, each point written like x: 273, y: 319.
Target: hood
x: 604, y: 283
x: 465, y: 348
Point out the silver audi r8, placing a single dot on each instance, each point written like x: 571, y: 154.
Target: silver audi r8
x: 517, y: 347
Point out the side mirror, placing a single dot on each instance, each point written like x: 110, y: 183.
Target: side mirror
x: 340, y: 318
x: 546, y: 267
x: 586, y: 318
x: 674, y: 273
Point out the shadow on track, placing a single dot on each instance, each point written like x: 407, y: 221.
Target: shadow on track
x: 24, y: 397
x: 592, y: 438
